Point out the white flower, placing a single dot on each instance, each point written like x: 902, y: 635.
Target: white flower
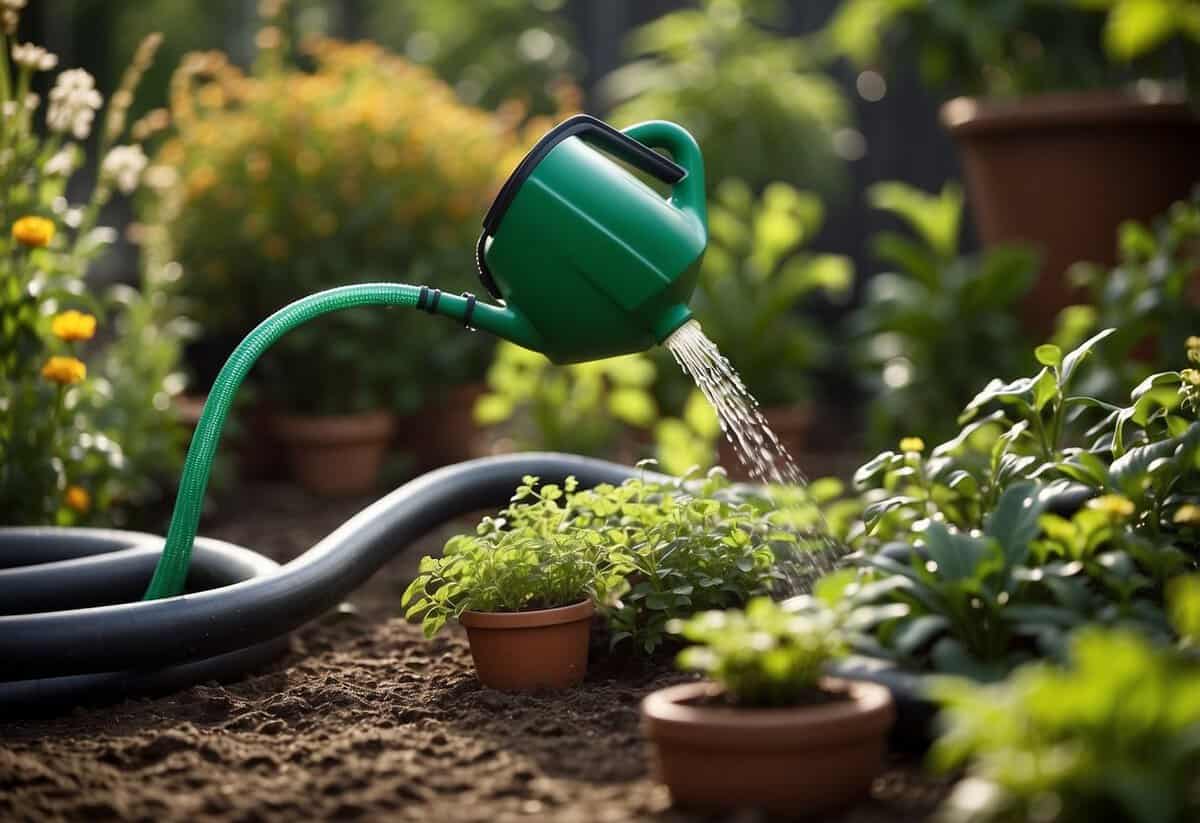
x: 161, y: 178
x: 34, y: 57
x: 124, y: 165
x: 73, y: 103
x: 63, y: 162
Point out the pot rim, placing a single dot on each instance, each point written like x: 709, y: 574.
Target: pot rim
x: 982, y: 115
x: 868, y: 713
x: 583, y: 610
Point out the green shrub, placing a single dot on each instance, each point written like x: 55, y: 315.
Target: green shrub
x: 768, y: 654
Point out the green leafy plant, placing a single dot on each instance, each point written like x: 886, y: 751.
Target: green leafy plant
x: 756, y: 101
x: 645, y: 551
x: 75, y: 440
x: 768, y: 654
x: 526, y: 558
x: 1032, y: 521
x: 1149, y: 297
x: 754, y: 278
x: 1109, y: 736
x: 919, y: 355
x: 1136, y: 28
x: 1001, y: 49
x: 583, y: 408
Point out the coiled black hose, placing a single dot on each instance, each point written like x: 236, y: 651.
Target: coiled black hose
x: 73, y: 629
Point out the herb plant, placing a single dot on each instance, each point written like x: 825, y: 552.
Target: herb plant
x: 920, y: 360
x: 525, y: 558
x: 646, y: 552
x: 768, y: 654
x: 1110, y: 736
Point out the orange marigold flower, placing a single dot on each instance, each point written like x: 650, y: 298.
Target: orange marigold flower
x: 33, y: 231
x: 78, y: 498
x: 64, y: 370
x: 73, y: 325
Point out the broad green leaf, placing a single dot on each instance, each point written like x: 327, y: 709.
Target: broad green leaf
x: 1014, y: 521
x: 958, y: 556
x: 1048, y: 354
x: 1072, y: 360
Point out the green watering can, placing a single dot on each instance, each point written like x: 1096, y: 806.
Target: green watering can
x: 589, y: 261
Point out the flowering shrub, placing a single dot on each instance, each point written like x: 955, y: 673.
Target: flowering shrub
x: 63, y: 425
x: 284, y: 182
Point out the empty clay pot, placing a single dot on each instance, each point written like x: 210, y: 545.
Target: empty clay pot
x: 807, y: 760
x: 336, y: 455
x: 523, y: 651
x: 1062, y: 171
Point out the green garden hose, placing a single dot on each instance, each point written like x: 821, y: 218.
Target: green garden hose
x: 171, y: 572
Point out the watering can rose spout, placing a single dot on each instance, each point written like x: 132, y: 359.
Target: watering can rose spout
x: 588, y: 259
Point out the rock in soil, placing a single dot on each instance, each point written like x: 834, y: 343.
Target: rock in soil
x: 364, y: 720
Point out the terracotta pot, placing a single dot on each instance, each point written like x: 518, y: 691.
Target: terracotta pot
x: 444, y: 431
x: 797, y: 761
x: 523, y: 651
x: 1061, y: 172
x: 791, y: 424
x: 336, y: 455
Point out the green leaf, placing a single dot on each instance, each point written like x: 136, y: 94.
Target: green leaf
x: 1076, y: 356
x: 1183, y: 601
x: 918, y: 632
x: 959, y: 556
x: 1045, y: 389
x: 1048, y: 354
x: 1014, y: 521
x: 1135, y: 27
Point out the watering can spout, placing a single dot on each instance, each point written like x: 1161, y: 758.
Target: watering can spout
x: 503, y: 321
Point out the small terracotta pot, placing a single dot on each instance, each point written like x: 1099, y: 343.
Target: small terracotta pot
x: 1062, y: 171
x: 336, y: 455
x: 798, y: 761
x: 523, y: 651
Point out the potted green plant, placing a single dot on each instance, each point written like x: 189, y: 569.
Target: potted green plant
x: 285, y: 181
x: 523, y: 586
x: 768, y: 730
x: 754, y: 279
x: 640, y: 553
x: 1058, y: 145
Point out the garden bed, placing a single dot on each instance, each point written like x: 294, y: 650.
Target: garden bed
x: 363, y: 718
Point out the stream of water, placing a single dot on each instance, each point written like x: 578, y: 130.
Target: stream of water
x: 756, y: 445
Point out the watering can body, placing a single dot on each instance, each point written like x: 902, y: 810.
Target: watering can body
x: 590, y: 261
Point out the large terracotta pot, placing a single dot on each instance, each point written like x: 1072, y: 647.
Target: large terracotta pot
x: 807, y: 760
x: 336, y: 455
x: 1062, y: 171
x: 523, y: 651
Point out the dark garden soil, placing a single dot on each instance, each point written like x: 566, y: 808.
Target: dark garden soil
x: 363, y: 719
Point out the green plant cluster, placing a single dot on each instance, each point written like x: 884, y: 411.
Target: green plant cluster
x: 922, y: 359
x: 767, y: 654
x: 1048, y: 511
x: 645, y: 551
x: 1110, y: 736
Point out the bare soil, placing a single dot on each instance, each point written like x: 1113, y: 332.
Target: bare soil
x: 364, y: 719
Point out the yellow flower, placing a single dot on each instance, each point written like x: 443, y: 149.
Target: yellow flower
x: 64, y: 370
x: 77, y: 498
x: 912, y: 444
x: 1114, y: 505
x: 1188, y: 515
x: 33, y: 231
x: 73, y: 325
